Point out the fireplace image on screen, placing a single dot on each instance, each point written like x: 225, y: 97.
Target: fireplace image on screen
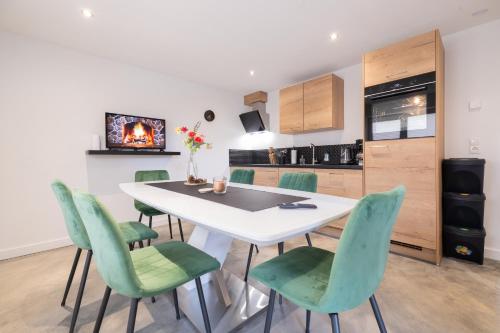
x: 123, y: 131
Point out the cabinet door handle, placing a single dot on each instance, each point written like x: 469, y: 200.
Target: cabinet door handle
x: 378, y: 146
x: 397, y: 74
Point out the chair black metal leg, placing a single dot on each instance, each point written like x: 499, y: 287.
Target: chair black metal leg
x: 378, y: 315
x: 308, y: 238
x: 140, y: 217
x: 170, y: 226
x: 249, y: 260
x: 257, y: 249
x: 71, y: 275
x: 141, y: 244
x: 150, y: 226
x: 281, y: 248
x: 203, y: 305
x: 153, y: 299
x: 132, y: 314
x: 176, y: 304
x: 102, y: 310
x: 334, y: 317
x: 76, y: 309
x: 131, y: 246
x: 308, y: 321
x: 180, y: 229
x: 270, y: 311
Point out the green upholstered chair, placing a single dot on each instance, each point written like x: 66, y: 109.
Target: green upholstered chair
x: 131, y: 232
x: 148, y: 176
x: 143, y: 272
x: 326, y: 282
x: 242, y: 176
x: 299, y: 181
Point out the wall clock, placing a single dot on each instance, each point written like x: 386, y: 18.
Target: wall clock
x: 209, y: 115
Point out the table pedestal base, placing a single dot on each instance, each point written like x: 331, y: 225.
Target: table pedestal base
x: 246, y: 302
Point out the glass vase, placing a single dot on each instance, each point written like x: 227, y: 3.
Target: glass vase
x: 192, y: 168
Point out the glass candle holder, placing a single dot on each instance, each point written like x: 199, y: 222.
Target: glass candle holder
x: 220, y: 185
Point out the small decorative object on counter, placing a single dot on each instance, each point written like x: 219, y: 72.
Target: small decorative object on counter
x: 193, y: 142
x: 326, y: 158
x: 220, y: 185
x: 272, y: 156
x: 302, y: 160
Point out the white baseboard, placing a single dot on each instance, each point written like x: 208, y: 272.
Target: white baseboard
x: 23, y: 250
x: 492, y: 253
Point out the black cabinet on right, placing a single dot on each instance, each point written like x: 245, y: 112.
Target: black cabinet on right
x: 463, y: 208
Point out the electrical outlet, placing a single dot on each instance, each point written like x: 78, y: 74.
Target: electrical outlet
x: 475, y: 106
x: 474, y: 146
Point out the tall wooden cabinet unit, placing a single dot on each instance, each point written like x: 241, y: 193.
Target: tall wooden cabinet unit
x: 313, y: 105
x: 415, y: 163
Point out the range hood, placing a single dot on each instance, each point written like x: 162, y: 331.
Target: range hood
x: 256, y: 120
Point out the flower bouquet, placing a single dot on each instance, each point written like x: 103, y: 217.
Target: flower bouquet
x: 193, y: 141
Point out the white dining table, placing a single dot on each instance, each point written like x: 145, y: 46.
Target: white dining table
x: 231, y: 301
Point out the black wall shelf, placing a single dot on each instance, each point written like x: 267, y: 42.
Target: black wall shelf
x: 132, y: 152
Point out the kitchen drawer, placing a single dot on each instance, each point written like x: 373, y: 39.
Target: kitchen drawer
x: 344, y: 183
x: 416, y: 223
x: 266, y: 176
x: 418, y: 152
x: 411, y: 57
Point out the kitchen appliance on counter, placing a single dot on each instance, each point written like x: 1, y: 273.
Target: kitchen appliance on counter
x: 401, y: 109
x: 346, y: 155
x: 359, y: 154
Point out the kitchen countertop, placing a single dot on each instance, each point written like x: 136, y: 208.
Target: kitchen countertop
x: 305, y: 166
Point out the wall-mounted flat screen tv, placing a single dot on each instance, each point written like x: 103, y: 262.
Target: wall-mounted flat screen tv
x: 134, y: 132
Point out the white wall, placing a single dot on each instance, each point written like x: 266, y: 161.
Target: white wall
x: 52, y: 99
x: 473, y: 74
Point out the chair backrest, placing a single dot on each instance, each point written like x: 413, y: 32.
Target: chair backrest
x: 110, y: 251
x: 148, y: 176
x: 359, y: 263
x: 242, y: 176
x: 72, y: 219
x: 300, y: 181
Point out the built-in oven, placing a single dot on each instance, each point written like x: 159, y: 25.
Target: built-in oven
x: 401, y: 109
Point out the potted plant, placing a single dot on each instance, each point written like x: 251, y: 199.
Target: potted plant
x: 193, y: 140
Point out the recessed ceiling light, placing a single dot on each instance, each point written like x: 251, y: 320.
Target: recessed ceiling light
x: 87, y: 13
x: 334, y: 36
x: 252, y: 72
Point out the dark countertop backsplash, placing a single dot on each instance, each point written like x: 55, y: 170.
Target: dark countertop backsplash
x: 260, y: 157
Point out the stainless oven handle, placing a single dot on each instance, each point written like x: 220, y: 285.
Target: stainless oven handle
x: 392, y: 92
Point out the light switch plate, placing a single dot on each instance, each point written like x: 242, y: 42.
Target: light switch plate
x: 475, y: 106
x: 474, y: 146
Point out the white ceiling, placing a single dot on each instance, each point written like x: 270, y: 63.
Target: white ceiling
x: 217, y: 42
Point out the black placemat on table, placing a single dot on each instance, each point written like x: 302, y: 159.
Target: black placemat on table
x: 242, y: 198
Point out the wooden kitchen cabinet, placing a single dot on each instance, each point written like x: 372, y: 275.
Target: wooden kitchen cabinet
x: 341, y: 182
x: 324, y: 103
x: 408, y: 58
x: 401, y: 153
x: 266, y: 176
x: 282, y: 171
x: 292, y: 109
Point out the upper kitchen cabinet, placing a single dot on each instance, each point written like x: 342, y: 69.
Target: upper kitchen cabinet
x: 313, y: 105
x: 324, y: 103
x: 292, y: 109
x: 411, y: 57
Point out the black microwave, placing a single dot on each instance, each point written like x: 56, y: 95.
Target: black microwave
x: 401, y: 109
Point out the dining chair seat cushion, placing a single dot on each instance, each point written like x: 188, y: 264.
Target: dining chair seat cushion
x: 312, y: 279
x: 161, y: 268
x: 135, y: 232
x: 300, y: 275
x: 299, y: 181
x: 242, y: 176
x: 147, y: 210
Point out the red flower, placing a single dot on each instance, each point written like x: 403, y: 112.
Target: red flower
x: 198, y: 139
x: 184, y: 129
x: 191, y: 134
